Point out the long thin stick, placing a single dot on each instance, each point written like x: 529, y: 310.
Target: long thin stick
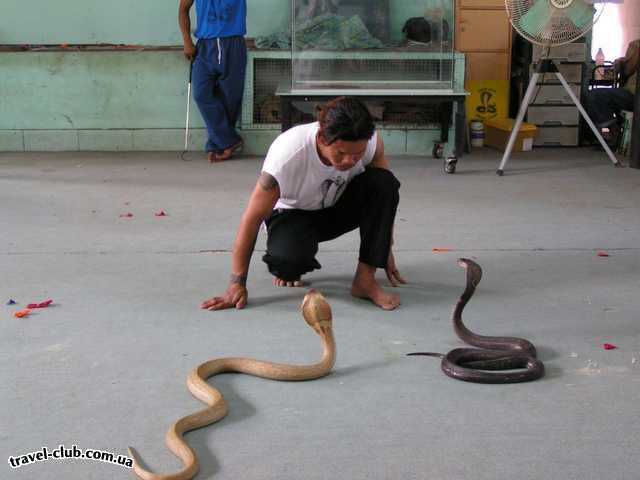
x: 186, y: 130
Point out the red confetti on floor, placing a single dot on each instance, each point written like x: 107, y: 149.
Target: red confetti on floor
x: 44, y: 304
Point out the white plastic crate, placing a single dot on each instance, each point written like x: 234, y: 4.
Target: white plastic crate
x: 572, y: 73
x: 556, y: 137
x: 555, y: 94
x: 543, y: 115
x: 569, y: 52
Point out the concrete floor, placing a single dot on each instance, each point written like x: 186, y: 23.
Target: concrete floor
x: 105, y: 367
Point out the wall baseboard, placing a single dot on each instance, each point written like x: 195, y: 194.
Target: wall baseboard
x: 256, y: 142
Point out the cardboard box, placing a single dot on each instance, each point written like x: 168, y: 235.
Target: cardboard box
x: 497, y: 132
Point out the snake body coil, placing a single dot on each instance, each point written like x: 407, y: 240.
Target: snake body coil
x: 316, y: 312
x: 516, y: 355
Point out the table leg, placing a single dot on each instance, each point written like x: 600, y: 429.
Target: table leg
x: 446, y: 109
x: 460, y: 128
x: 286, y: 113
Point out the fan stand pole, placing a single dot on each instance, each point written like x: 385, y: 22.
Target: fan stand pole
x: 587, y: 119
x: 547, y: 66
x: 516, y: 128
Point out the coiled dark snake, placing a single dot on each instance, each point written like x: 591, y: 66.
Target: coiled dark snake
x: 316, y: 312
x: 516, y: 356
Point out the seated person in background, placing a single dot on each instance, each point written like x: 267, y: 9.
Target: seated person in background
x: 605, y: 104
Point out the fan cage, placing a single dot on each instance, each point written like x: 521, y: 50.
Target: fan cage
x: 551, y: 23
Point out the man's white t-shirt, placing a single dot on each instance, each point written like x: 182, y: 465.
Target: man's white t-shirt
x: 305, y: 182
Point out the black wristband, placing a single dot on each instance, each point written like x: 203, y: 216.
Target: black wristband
x: 239, y: 279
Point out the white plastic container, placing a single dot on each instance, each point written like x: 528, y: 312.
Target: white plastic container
x: 477, y: 133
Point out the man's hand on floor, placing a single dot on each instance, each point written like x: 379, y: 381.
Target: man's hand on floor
x: 235, y: 296
x: 393, y: 275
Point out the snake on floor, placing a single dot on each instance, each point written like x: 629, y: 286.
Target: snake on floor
x: 317, y: 313
x: 516, y: 356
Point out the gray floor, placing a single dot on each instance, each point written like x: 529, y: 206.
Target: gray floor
x: 106, y: 366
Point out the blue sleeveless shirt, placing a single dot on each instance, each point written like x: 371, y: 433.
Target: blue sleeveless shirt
x: 221, y: 18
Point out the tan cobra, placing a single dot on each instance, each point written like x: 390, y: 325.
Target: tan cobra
x: 316, y: 312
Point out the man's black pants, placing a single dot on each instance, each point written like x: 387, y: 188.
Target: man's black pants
x: 603, y: 103
x: 369, y: 202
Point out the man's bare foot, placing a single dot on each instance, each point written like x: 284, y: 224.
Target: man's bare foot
x: 375, y: 293
x: 227, y: 153
x: 278, y: 282
x: 365, y: 286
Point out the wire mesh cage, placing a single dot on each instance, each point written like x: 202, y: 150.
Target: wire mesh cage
x: 271, y: 70
x: 376, y: 45
x: 269, y: 74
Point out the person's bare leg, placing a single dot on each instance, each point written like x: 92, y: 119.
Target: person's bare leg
x: 366, y: 286
x: 278, y: 282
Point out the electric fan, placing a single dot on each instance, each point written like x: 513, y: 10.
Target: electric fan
x: 551, y: 23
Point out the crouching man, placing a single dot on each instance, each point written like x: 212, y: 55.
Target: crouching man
x: 318, y: 182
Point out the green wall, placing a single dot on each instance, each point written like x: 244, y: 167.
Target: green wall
x: 126, y: 100
x: 60, y: 90
x: 145, y: 22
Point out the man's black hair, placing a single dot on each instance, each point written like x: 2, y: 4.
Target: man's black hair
x: 346, y: 119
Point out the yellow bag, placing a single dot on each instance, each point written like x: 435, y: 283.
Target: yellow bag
x: 488, y: 99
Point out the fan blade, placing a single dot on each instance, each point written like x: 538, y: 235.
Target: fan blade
x: 549, y: 31
x: 581, y: 14
x: 536, y: 18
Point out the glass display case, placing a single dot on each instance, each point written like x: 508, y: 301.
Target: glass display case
x: 377, y: 46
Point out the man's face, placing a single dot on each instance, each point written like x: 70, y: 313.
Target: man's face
x: 344, y: 155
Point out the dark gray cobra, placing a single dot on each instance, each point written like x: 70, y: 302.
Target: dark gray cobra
x: 498, y: 359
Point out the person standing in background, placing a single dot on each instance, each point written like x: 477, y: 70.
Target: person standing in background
x: 219, y: 61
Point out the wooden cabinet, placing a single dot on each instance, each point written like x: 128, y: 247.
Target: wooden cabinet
x: 483, y: 31
x: 481, y: 4
x: 484, y: 34
x: 487, y: 66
